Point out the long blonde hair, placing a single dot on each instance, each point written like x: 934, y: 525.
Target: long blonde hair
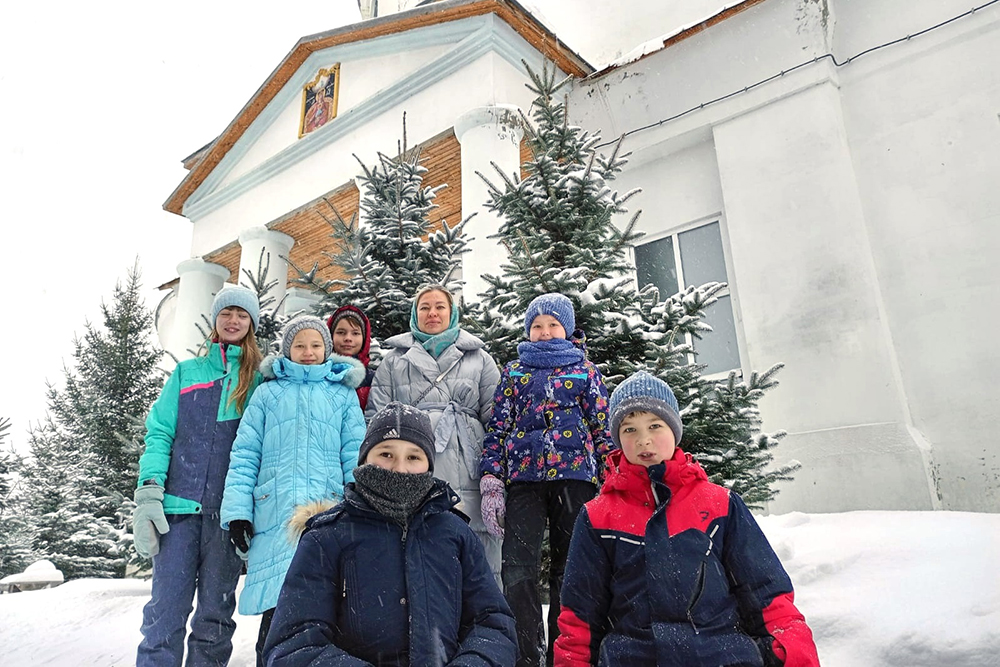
x: 250, y: 358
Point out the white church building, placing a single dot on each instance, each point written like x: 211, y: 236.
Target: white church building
x: 835, y: 162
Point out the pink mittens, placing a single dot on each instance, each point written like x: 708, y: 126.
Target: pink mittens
x: 493, y: 507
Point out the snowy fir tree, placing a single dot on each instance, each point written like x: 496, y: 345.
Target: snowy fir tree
x: 83, y: 465
x: 394, y: 252
x: 15, y: 538
x: 560, y: 234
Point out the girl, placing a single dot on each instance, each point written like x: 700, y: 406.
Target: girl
x: 391, y: 576
x: 546, y: 444
x: 352, y: 337
x: 297, y: 444
x: 190, y: 430
x: 447, y: 372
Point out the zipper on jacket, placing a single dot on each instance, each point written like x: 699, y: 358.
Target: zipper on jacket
x: 698, y: 590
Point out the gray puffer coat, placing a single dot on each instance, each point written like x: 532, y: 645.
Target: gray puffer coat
x: 459, y: 406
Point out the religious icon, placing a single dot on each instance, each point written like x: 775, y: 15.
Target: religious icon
x: 319, y: 100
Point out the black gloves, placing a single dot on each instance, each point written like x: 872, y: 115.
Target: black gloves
x: 240, y: 533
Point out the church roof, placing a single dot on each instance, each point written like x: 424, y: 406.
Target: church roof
x: 510, y: 11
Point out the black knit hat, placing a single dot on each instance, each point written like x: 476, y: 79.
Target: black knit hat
x: 397, y: 421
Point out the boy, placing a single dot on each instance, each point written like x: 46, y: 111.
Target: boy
x: 392, y: 576
x: 666, y: 568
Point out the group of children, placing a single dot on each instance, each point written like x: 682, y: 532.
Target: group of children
x: 357, y: 553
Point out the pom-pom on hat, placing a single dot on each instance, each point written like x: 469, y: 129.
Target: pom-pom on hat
x: 241, y: 297
x: 557, y: 305
x: 643, y: 392
x: 398, y: 421
x: 305, y: 322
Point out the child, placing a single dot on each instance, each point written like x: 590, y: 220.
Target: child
x: 546, y: 443
x: 392, y: 577
x: 190, y: 430
x: 667, y: 568
x: 352, y: 337
x: 297, y: 444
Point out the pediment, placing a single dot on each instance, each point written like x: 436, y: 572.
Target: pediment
x: 379, y: 63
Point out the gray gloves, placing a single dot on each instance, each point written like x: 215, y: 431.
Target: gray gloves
x: 148, y: 520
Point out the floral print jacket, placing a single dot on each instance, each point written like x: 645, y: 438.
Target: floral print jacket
x: 548, y: 424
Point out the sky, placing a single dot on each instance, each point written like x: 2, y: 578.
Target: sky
x: 99, y: 103
x: 870, y: 585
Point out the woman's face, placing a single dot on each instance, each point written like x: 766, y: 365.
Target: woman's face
x: 433, y: 312
x: 347, y: 338
x: 232, y: 325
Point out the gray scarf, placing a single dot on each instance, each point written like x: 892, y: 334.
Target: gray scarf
x: 394, y: 495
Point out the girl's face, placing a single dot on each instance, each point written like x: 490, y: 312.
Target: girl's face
x: 308, y: 348
x: 433, y: 312
x: 347, y: 338
x: 545, y: 327
x: 646, y: 439
x: 399, y: 456
x: 232, y: 325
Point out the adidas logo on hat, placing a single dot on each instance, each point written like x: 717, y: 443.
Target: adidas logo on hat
x: 391, y: 433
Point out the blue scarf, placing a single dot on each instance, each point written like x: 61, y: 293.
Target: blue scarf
x: 552, y: 353
x: 435, y: 344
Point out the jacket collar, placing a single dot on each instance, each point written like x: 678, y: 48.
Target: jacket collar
x: 632, y: 479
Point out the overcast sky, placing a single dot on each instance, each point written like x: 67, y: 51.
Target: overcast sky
x: 99, y: 103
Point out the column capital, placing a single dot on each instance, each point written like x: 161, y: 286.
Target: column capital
x: 269, y: 237
x: 506, y: 118
x: 197, y: 264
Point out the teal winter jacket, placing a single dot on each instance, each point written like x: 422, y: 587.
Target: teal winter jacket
x: 297, y: 444
x: 190, y: 430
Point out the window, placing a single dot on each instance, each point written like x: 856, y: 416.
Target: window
x: 695, y: 257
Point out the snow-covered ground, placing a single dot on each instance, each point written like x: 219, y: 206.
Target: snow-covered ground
x: 894, y: 589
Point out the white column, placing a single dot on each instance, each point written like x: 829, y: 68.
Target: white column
x: 487, y: 134
x: 275, y: 247
x: 199, y: 282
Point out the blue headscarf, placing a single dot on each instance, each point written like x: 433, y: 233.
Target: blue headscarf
x: 435, y: 344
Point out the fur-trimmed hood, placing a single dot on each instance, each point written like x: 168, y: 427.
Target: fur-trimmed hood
x: 337, y: 368
x: 302, y: 514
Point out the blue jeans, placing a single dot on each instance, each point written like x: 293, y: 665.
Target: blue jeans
x: 195, y: 555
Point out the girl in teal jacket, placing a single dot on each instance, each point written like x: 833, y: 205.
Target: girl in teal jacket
x: 190, y: 430
x: 296, y: 446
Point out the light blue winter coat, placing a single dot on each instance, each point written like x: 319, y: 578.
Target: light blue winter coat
x: 297, y: 443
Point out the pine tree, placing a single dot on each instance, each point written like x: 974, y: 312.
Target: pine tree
x: 393, y: 253
x: 65, y: 509
x: 15, y: 537
x: 559, y: 231
x: 83, y: 467
x: 268, y: 334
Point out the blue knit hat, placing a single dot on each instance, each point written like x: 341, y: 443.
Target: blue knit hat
x: 305, y: 322
x: 241, y: 297
x: 643, y: 392
x: 557, y: 305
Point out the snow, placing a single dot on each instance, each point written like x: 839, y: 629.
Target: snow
x: 878, y: 588
x: 41, y: 572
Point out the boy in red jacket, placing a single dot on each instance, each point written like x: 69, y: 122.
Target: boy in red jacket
x: 666, y: 568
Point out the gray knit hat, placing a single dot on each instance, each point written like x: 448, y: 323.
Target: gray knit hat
x: 398, y: 421
x: 241, y: 297
x: 557, y: 305
x: 305, y: 322
x: 643, y: 392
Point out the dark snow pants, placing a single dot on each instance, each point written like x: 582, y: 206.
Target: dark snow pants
x: 195, y: 555
x: 530, y: 506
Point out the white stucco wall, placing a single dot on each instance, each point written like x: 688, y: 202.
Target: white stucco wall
x: 861, y: 226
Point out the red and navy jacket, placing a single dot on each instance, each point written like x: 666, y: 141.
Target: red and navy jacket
x: 666, y: 568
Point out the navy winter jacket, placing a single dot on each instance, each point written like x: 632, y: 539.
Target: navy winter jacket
x: 362, y: 590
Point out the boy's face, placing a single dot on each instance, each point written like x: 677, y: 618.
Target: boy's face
x: 308, y: 348
x: 545, y: 327
x: 399, y: 456
x: 646, y: 439
x: 347, y: 338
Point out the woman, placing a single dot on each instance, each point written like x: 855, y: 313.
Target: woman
x: 190, y: 431
x: 448, y: 373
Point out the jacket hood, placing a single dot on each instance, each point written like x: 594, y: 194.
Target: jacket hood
x: 303, y: 513
x: 364, y: 356
x: 630, y: 478
x: 465, y: 341
x: 337, y: 368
